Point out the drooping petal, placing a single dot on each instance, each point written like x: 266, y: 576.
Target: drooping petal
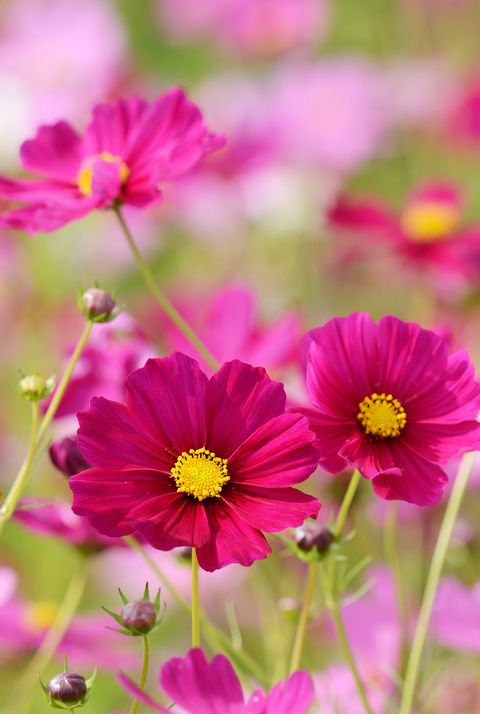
x: 239, y: 399
x: 56, y: 152
x: 232, y: 540
x: 166, y: 398
x: 176, y: 520
x: 274, y: 508
x: 123, y: 444
x: 107, y: 497
x: 202, y: 687
x: 279, y: 453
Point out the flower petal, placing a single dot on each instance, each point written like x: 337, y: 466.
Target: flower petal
x: 272, y: 509
x: 55, y: 152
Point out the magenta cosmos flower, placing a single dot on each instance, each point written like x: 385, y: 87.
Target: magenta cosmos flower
x: 207, y: 463
x: 390, y: 400
x: 128, y: 150
x: 202, y: 687
x: 427, y: 233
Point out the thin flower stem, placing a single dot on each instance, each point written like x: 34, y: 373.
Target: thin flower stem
x: 161, y: 298
x: 436, y: 567
x: 214, y: 637
x: 332, y: 594
x: 65, y: 614
x: 38, y: 432
x: 144, y: 672
x: 393, y: 559
x: 340, y: 521
x: 18, y: 485
x: 63, y: 384
x: 304, y: 616
x: 195, y: 601
x: 347, y: 653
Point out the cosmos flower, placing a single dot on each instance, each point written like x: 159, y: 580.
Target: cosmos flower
x: 202, y: 687
x: 428, y: 232
x: 129, y: 148
x: 229, y: 326
x: 189, y: 461
x: 390, y: 400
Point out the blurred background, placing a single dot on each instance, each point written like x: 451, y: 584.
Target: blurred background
x: 349, y: 182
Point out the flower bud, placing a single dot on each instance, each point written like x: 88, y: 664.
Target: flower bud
x: 67, y: 688
x: 98, y: 305
x: 66, y: 457
x: 312, y: 535
x: 139, y: 616
x: 34, y: 387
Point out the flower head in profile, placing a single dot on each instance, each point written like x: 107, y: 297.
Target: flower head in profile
x: 128, y: 150
x: 193, y: 461
x: 428, y: 232
x: 202, y: 687
x: 389, y: 399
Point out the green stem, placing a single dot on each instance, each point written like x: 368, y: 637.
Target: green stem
x: 38, y: 432
x: 214, y: 637
x: 393, y: 559
x: 304, y: 616
x: 347, y: 653
x: 63, y: 384
x: 54, y: 636
x: 436, y: 567
x: 144, y: 672
x: 339, y: 524
x: 18, y: 485
x: 333, y: 597
x: 162, y: 299
x: 195, y: 601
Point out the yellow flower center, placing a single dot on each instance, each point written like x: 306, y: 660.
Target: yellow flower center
x: 382, y: 416
x: 429, y: 221
x: 201, y: 474
x: 40, y: 615
x: 86, y: 173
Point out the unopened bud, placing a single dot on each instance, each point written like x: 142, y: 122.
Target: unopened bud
x: 34, y: 387
x: 98, y: 305
x: 139, y: 616
x: 311, y: 535
x: 69, y: 689
x: 66, y: 457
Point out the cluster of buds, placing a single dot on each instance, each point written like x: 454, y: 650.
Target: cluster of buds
x: 97, y: 305
x: 68, y: 690
x: 137, y: 617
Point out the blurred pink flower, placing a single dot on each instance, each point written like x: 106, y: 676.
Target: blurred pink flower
x: 455, y: 619
x: 58, y: 520
x: 337, y: 693
x: 228, y: 324
x: 259, y: 28
x: 87, y: 642
x: 426, y: 234
x: 83, y: 50
x: 129, y: 148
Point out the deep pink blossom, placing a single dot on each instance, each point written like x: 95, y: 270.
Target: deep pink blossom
x: 201, y: 687
x: 428, y: 233
x: 207, y: 463
x: 390, y: 400
x: 128, y: 150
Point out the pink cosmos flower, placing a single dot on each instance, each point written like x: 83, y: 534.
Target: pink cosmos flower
x: 207, y: 463
x: 201, y: 687
x: 228, y: 324
x: 428, y: 233
x: 58, y: 521
x: 390, y: 400
x: 248, y: 27
x: 129, y: 149
x: 337, y: 692
x: 456, y: 616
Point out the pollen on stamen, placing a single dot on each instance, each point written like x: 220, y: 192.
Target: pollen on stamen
x: 200, y: 473
x: 382, y: 416
x: 87, y: 171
